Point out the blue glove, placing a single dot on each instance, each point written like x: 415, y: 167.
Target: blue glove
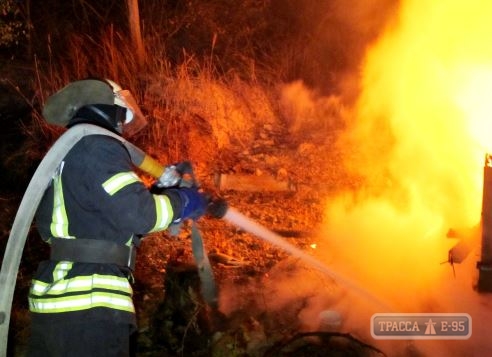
x: 193, y: 203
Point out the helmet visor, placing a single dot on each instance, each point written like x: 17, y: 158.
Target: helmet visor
x: 135, y: 120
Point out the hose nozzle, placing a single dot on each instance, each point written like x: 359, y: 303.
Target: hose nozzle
x: 217, y: 207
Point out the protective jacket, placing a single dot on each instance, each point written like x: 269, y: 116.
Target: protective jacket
x: 95, y: 194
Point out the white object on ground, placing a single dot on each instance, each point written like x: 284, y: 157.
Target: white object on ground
x: 329, y: 320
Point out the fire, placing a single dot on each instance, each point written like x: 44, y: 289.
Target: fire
x: 474, y: 99
x: 422, y: 125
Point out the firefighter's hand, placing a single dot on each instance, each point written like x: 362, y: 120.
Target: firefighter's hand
x: 193, y: 202
x: 169, y: 178
x: 176, y: 175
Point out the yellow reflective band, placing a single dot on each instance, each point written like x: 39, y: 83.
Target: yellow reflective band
x: 82, y: 302
x: 59, y: 219
x: 164, y: 212
x: 81, y: 284
x: 118, y: 181
x: 129, y: 241
x: 61, y: 269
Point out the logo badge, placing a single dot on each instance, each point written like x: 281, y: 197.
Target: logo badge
x: 421, y: 326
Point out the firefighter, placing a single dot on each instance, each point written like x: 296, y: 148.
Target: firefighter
x: 93, y: 215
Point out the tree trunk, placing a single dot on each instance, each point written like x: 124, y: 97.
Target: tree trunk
x: 134, y: 24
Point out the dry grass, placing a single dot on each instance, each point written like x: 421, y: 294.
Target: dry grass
x: 193, y: 112
x: 210, y: 76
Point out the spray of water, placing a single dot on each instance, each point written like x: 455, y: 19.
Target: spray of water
x: 236, y: 218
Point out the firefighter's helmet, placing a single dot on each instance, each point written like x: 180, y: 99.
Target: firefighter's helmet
x: 101, y: 102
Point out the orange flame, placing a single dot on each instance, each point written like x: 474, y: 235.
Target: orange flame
x: 422, y: 126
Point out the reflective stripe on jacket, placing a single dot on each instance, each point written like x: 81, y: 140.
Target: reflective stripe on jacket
x: 80, y: 293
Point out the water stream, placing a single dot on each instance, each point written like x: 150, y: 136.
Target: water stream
x: 247, y: 224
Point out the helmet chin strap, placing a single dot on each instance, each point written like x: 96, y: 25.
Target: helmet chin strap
x: 100, y: 113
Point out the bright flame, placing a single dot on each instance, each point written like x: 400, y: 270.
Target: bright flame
x: 422, y: 126
x: 475, y: 100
